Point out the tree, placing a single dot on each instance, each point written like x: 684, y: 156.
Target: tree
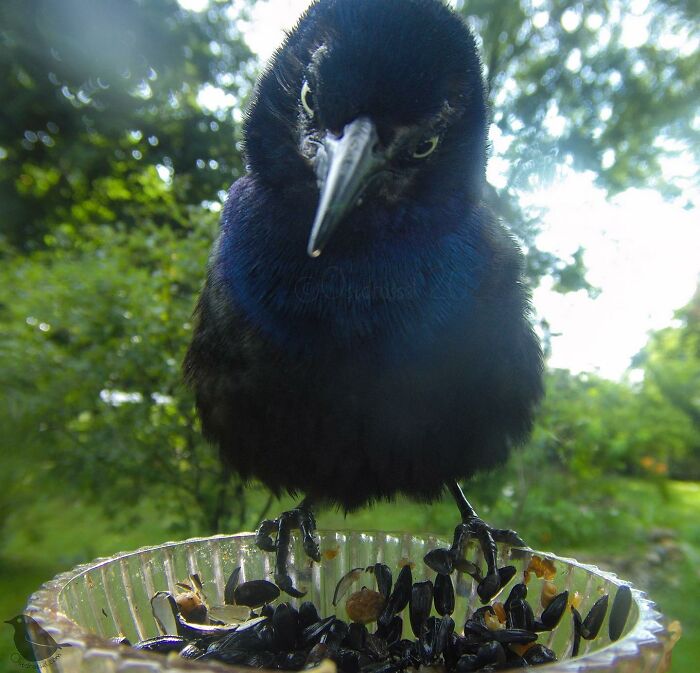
x: 101, y: 121
x: 570, y: 86
x: 111, y: 173
x: 671, y: 365
x: 98, y: 406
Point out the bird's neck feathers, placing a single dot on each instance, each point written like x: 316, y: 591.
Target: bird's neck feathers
x: 391, y: 277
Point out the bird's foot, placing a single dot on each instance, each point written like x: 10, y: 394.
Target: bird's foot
x: 444, y: 561
x: 301, y: 518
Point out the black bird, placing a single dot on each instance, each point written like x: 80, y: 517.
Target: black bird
x: 364, y: 327
x: 31, y: 640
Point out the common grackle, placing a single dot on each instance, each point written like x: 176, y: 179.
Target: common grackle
x: 401, y: 359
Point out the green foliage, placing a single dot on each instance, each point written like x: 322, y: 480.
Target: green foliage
x: 96, y: 95
x: 566, y: 91
x: 99, y: 91
x: 111, y: 172
x: 671, y: 365
x: 95, y: 333
x: 564, y: 487
x: 595, y: 427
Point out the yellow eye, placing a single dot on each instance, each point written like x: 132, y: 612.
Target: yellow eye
x: 307, y: 99
x: 426, y: 147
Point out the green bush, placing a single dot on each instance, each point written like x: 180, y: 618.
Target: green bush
x: 94, y: 333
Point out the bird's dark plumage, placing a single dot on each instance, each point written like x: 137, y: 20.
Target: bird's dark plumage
x: 32, y: 641
x: 402, y: 357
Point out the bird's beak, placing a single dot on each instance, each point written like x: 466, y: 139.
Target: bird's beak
x: 344, y: 166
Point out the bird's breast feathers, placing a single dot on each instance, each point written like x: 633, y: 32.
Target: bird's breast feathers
x: 400, y: 275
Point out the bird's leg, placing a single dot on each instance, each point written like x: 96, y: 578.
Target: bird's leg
x: 302, y: 518
x: 444, y: 560
x: 262, y: 535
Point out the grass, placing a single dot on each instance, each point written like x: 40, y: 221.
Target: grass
x: 666, y: 564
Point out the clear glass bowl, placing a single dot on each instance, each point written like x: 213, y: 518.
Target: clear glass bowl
x: 88, y: 605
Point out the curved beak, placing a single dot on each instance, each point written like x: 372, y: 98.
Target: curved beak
x: 344, y: 166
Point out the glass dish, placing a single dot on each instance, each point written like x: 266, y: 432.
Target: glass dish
x: 83, y: 608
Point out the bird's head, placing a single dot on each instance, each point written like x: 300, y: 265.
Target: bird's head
x: 18, y: 622
x: 370, y: 102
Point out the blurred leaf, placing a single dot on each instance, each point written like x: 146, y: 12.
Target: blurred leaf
x: 102, y: 120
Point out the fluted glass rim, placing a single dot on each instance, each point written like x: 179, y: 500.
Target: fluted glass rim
x: 648, y: 636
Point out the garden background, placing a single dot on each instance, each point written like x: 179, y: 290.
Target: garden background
x: 113, y: 168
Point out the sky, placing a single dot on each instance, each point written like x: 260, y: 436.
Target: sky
x: 642, y: 253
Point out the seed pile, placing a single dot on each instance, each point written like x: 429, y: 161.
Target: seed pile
x: 249, y: 631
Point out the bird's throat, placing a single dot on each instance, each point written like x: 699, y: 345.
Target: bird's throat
x: 398, y: 286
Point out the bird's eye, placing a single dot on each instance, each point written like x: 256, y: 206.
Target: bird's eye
x: 307, y: 99
x: 426, y: 147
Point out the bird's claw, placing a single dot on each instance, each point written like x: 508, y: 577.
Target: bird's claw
x: 284, y: 582
x: 495, y: 578
x: 263, y: 539
x: 309, y: 543
x: 507, y: 536
x: 444, y: 561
